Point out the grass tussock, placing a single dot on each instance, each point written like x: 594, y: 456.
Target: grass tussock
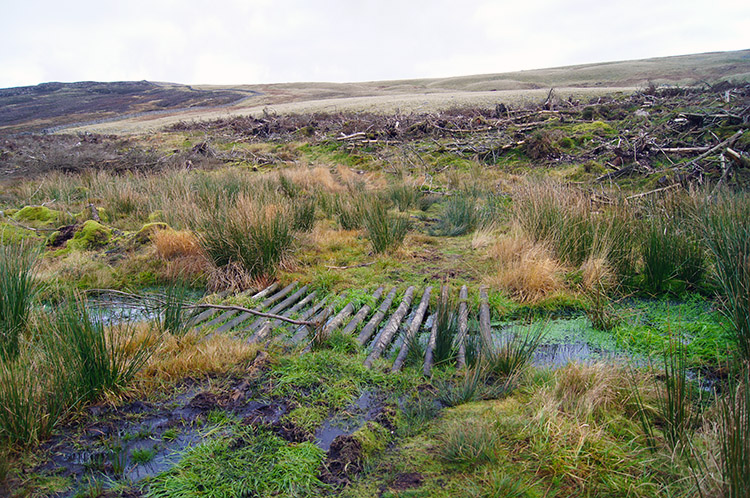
x: 460, y: 215
x: 257, y: 237
x: 18, y: 288
x: 726, y: 228
x: 178, y: 357
x: 385, y: 230
x: 523, y: 268
x: 71, y: 359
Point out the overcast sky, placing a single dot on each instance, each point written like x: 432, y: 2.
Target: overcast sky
x: 265, y: 41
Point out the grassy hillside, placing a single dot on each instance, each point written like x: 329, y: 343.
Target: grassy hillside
x: 132, y: 107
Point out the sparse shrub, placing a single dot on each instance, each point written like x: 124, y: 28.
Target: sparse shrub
x: 17, y: 291
x: 541, y: 145
x: 385, y: 231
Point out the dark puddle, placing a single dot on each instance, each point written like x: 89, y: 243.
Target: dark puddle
x: 366, y: 408
x: 140, y: 440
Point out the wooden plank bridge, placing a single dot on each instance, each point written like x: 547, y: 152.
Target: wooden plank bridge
x: 295, y: 314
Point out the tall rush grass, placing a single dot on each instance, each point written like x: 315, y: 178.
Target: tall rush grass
x: 385, y: 230
x: 18, y: 289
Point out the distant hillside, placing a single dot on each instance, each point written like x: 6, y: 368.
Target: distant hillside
x: 132, y: 107
x: 49, y: 105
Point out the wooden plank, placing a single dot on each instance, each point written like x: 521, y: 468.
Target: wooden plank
x: 463, y: 326
x: 412, y: 331
x: 368, y: 329
x: 430, y: 351
x: 219, y: 319
x: 390, y: 328
x: 242, y: 317
x: 278, y: 308
x: 305, y: 329
x: 271, y: 288
x: 363, y: 312
x: 269, y: 326
x: 484, y: 317
x: 337, y: 320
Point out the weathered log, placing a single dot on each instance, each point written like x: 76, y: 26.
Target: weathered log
x: 429, y: 354
x: 390, y: 328
x: 363, y: 312
x: 245, y: 316
x: 484, y: 316
x: 412, y: 331
x: 269, y: 326
x: 463, y: 326
x: 257, y: 324
x: 368, y: 329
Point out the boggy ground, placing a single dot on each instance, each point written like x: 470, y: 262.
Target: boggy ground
x: 602, y: 218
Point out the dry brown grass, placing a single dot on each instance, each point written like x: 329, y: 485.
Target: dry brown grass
x: 183, y: 256
x: 588, y: 390
x: 524, y: 269
x: 192, y: 356
x: 175, y: 243
x: 597, y: 274
x: 313, y: 179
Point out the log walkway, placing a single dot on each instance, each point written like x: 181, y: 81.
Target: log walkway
x: 390, y: 325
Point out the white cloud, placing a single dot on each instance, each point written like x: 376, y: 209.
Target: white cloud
x: 246, y: 41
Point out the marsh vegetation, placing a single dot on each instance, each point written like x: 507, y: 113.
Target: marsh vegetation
x: 513, y: 225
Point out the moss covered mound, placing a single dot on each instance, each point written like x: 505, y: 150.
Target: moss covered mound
x: 91, y: 235
x: 41, y: 215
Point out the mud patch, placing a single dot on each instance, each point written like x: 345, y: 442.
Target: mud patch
x: 291, y: 432
x: 409, y: 480
x: 366, y: 408
x: 344, y: 461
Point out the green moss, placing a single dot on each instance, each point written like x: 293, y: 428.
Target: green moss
x: 38, y: 214
x: 90, y: 236
x: 11, y: 234
x: 143, y: 236
x: 157, y: 215
x: 373, y: 437
x: 86, y: 215
x: 598, y: 128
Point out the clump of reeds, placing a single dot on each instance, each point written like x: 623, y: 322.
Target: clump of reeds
x: 385, y: 230
x: 258, y: 237
x: 734, y: 436
x: 17, y: 291
x: 460, y: 215
x: 403, y: 196
x: 726, y: 230
x: 71, y: 358
x: 514, y: 352
x: 675, y: 409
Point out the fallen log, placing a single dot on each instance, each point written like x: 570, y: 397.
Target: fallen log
x: 411, y: 332
x: 390, y: 328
